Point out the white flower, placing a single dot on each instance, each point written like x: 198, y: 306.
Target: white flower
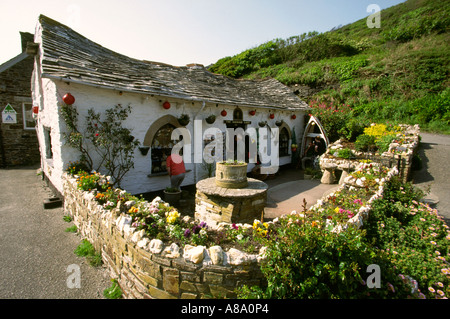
x: 239, y: 237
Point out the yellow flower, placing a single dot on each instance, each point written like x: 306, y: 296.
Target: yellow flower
x: 256, y: 223
x: 133, y: 210
x: 336, y: 210
x: 172, y: 216
x: 266, y: 225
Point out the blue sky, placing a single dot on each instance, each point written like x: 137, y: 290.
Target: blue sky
x: 179, y: 32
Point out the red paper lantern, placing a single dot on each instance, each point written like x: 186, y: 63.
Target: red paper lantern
x: 68, y: 99
x: 35, y: 109
x: 223, y: 113
x: 166, y: 105
x: 272, y: 116
x: 293, y: 116
x: 252, y: 112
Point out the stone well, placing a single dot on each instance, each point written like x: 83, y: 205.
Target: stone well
x: 215, y: 204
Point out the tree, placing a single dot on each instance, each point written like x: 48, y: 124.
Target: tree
x: 108, y: 138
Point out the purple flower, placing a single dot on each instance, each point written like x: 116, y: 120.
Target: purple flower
x: 187, y: 233
x: 196, y: 229
x: 203, y: 225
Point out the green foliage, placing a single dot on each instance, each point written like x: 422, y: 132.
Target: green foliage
x: 247, y: 61
x: 112, y: 142
x: 365, y: 143
x: 414, y: 236
x: 307, y: 261
x: 332, y: 116
x: 77, y: 167
x: 398, y: 73
x: 345, y: 153
x: 113, y: 292
x: 86, y: 249
x: 71, y: 229
x: 383, y: 143
x: 417, y: 23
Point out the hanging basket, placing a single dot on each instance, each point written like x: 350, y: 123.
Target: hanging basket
x: 184, y: 119
x: 210, y: 119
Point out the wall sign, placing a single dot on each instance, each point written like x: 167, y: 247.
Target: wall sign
x: 9, y: 115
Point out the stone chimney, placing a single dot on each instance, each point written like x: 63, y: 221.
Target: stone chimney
x: 25, y: 38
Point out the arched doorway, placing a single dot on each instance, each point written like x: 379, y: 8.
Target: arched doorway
x: 159, y: 139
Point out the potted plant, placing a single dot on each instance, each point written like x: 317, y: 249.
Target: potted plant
x: 210, y: 119
x: 172, y: 196
x: 184, y: 119
x: 309, y: 173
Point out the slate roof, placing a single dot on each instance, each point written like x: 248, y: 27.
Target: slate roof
x: 69, y: 56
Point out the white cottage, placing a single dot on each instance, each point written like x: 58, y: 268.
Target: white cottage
x: 158, y: 93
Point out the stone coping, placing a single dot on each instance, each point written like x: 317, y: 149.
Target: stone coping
x: 255, y: 187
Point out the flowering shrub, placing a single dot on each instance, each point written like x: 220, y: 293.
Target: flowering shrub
x: 337, y: 120
x: 415, y: 238
x: 77, y: 167
x: 88, y: 182
x: 305, y: 260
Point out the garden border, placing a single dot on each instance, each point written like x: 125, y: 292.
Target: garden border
x: 149, y: 268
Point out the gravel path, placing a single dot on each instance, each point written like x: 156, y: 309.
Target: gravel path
x: 35, y: 250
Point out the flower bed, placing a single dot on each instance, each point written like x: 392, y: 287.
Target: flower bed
x: 155, y: 252
x: 390, y: 146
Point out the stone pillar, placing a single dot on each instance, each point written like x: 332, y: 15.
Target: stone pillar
x: 345, y: 171
x: 328, y: 176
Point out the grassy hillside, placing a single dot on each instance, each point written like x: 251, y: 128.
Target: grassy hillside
x: 396, y: 73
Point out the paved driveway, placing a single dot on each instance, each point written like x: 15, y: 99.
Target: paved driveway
x: 36, y: 252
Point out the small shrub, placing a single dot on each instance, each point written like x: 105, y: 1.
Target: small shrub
x: 71, y: 229
x: 365, y: 143
x: 383, y: 143
x: 86, y: 249
x: 345, y: 153
x: 113, y: 292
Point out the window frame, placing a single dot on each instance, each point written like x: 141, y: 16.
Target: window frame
x: 24, y: 116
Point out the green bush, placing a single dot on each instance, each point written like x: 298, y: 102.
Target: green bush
x: 414, y: 236
x: 383, y: 143
x: 345, y: 153
x: 365, y: 143
x: 307, y: 261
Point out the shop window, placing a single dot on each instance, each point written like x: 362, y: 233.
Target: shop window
x: 284, y: 142
x: 162, y: 145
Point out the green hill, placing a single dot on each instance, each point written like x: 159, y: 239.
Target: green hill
x: 398, y: 72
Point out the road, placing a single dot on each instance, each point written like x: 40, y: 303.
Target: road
x: 37, y: 259
x: 435, y: 173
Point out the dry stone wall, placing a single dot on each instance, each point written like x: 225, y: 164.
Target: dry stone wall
x: 149, y: 268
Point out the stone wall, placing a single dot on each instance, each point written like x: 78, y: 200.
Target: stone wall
x: 400, y: 154
x: 146, y: 268
x: 18, y: 146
